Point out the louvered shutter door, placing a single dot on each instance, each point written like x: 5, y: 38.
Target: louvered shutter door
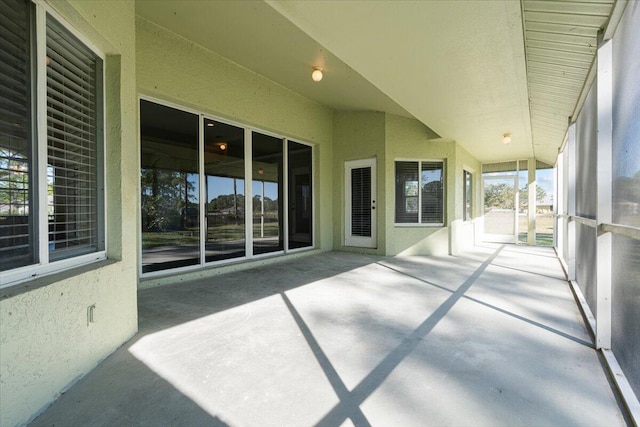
x: 361, y: 202
x: 73, y: 125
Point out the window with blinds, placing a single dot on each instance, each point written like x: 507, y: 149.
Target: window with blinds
x: 51, y: 208
x: 17, y: 248
x: 73, y: 128
x: 419, y: 192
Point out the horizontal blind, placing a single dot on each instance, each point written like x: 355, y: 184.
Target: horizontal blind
x: 361, y: 202
x: 73, y: 115
x: 432, y: 192
x: 407, y: 192
x: 16, y: 157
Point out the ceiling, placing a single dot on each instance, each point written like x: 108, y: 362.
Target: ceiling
x: 469, y: 70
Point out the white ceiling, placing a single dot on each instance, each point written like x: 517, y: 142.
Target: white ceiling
x: 459, y: 67
x: 255, y: 36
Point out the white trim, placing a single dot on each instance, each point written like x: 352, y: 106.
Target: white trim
x: 604, y: 241
x: 444, y: 193
x: 42, y: 199
x: 23, y: 274
x: 248, y: 193
x: 421, y: 225
x: 571, y: 202
x: 203, y: 196
x: 42, y: 265
x: 285, y: 196
x: 248, y: 180
x: 629, y: 398
x: 41, y: 4
x: 349, y: 239
x: 139, y: 196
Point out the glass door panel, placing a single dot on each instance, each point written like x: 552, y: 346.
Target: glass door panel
x: 300, y: 200
x: 267, y: 187
x: 170, y: 187
x: 499, y: 207
x: 224, y: 180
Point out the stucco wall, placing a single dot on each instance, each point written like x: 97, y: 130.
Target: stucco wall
x: 409, y: 139
x: 173, y: 69
x: 358, y: 135
x: 464, y: 233
x: 45, y: 341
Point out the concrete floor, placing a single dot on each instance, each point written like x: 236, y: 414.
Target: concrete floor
x: 493, y: 337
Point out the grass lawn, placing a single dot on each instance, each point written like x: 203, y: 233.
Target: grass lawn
x: 217, y: 233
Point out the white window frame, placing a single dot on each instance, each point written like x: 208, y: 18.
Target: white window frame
x: 44, y: 266
x: 248, y: 178
x: 471, y: 174
x: 444, y: 194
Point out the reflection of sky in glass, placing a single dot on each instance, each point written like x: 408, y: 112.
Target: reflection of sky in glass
x: 194, y: 188
x: 429, y: 176
x: 222, y: 186
x: 270, y: 189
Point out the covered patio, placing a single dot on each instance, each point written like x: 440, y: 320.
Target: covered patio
x: 490, y: 337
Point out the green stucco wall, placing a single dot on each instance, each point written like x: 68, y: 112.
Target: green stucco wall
x: 45, y: 341
x: 409, y: 139
x: 356, y: 136
x: 173, y: 69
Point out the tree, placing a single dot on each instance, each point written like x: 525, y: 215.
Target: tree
x: 499, y: 196
x: 524, y: 195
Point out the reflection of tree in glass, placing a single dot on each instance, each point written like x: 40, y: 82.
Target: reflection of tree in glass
x: 14, y: 183
x: 168, y: 197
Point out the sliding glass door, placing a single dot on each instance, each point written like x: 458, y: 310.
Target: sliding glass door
x: 199, y: 177
x: 267, y: 169
x: 225, y: 193
x: 170, y: 188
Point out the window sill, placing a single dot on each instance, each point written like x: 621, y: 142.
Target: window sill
x: 412, y: 225
x: 28, y: 285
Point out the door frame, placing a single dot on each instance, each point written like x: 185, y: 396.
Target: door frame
x: 504, y: 238
x: 360, y: 241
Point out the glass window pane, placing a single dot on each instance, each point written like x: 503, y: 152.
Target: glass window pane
x: 431, y: 180
x: 267, y: 168
x: 467, y: 196
x: 17, y: 246
x: 300, y: 200
x: 406, y: 192
x: 170, y: 187
x: 74, y: 79
x: 224, y: 179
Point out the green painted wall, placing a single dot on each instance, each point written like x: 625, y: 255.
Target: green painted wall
x: 358, y: 135
x: 46, y: 344
x: 409, y: 139
x: 173, y: 69
x: 462, y: 230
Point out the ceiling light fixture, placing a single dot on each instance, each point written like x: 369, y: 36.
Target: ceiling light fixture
x: 317, y: 74
x: 223, y: 146
x: 506, y: 138
x: 210, y: 124
x: 260, y: 171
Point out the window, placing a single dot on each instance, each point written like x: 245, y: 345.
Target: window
x: 216, y: 192
x: 468, y: 195
x: 51, y: 177
x: 420, y: 192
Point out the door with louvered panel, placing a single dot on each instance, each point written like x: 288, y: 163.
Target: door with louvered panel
x: 360, y: 203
